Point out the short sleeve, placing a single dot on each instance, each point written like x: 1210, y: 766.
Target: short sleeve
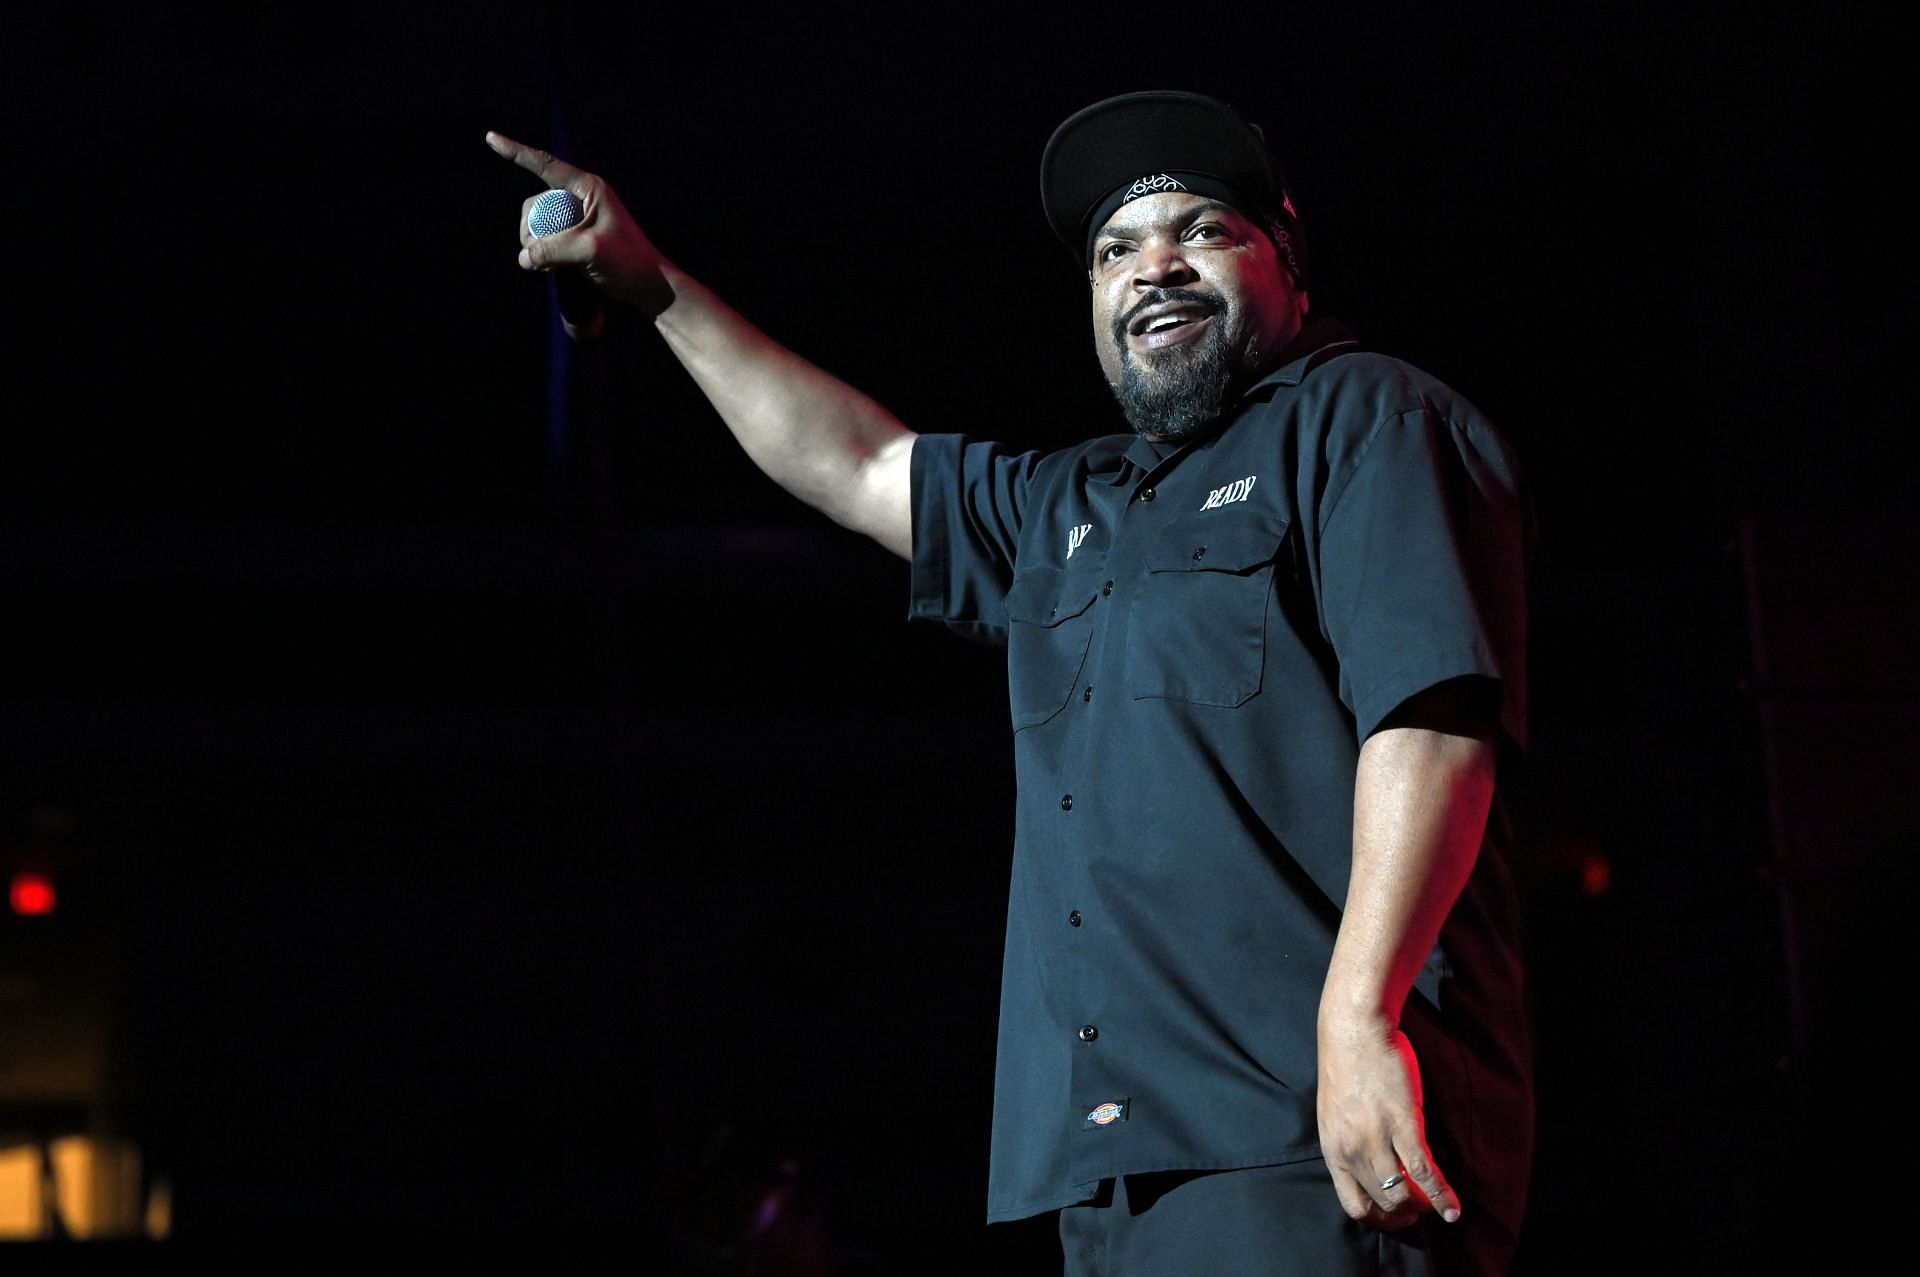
x: 969, y: 504
x: 1423, y: 564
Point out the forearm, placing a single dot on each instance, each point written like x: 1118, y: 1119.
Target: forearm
x: 1420, y: 809
x: 819, y: 438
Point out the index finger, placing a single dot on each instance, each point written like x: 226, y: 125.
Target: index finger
x: 555, y: 173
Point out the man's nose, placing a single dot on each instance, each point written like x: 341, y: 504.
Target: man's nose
x: 1161, y: 264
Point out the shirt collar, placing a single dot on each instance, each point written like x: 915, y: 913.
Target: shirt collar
x: 1143, y: 453
x: 1319, y: 341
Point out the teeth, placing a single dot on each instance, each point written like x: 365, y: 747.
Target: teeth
x: 1168, y: 321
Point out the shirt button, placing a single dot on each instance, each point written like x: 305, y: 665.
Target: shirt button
x: 1073, y: 918
x: 1087, y: 695
x: 1066, y: 802
x: 1107, y: 588
x: 1146, y: 494
x: 1088, y: 1033
x: 1200, y: 554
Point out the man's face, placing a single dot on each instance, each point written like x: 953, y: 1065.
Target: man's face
x: 1191, y: 304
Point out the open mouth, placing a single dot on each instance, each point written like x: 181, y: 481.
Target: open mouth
x: 1169, y: 324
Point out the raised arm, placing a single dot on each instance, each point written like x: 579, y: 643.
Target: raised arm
x: 819, y: 438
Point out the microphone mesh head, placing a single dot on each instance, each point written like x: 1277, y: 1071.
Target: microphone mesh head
x: 553, y: 212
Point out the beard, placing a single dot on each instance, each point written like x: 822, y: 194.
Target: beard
x: 1175, y: 393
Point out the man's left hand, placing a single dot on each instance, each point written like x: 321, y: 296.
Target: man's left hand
x: 1372, y: 1128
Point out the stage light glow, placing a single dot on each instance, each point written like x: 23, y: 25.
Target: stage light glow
x: 31, y: 894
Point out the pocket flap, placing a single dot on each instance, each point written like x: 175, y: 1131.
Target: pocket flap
x: 1237, y: 546
x: 1048, y: 596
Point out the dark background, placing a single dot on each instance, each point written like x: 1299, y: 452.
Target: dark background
x: 484, y: 807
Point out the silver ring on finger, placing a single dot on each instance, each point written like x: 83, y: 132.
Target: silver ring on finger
x: 1392, y: 1182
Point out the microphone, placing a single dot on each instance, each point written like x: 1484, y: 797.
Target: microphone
x: 579, y: 300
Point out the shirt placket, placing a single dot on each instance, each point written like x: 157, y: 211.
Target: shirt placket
x: 1101, y: 1051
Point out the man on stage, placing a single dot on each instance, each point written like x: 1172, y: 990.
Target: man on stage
x: 1261, y: 1010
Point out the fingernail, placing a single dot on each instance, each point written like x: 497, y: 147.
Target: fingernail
x: 1451, y: 1214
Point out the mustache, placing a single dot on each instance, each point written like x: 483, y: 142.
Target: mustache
x: 1159, y: 296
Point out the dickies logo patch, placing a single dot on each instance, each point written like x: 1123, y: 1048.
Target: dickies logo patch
x: 1107, y: 1114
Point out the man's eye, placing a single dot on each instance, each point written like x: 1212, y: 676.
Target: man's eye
x: 1111, y: 252
x: 1207, y: 230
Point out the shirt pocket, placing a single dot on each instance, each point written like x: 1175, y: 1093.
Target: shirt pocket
x: 1198, y: 631
x: 1050, y: 627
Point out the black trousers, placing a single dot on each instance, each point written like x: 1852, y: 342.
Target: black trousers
x: 1265, y: 1221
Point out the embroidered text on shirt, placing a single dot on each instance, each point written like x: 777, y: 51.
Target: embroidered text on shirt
x: 1238, y: 490
x: 1075, y: 536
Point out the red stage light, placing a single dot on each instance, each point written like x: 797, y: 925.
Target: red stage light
x: 31, y: 894
x: 1596, y: 873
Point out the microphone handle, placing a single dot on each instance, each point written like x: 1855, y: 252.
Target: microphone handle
x: 579, y: 302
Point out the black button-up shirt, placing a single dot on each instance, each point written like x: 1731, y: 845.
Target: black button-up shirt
x: 1249, y: 606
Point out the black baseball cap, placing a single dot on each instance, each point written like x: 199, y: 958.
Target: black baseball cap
x: 1138, y: 144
